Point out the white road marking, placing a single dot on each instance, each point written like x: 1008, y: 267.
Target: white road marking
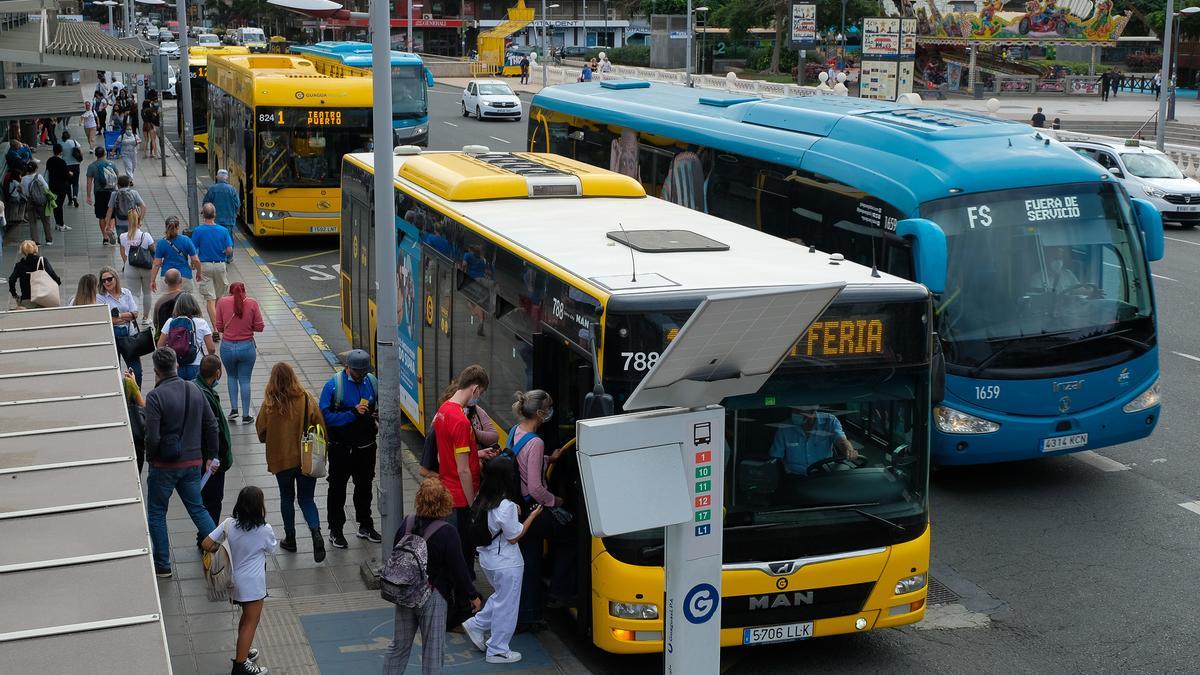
x: 1187, y: 356
x: 500, y: 139
x: 1184, y: 241
x: 1194, y: 507
x: 1099, y: 461
x: 450, y: 123
x: 1159, y: 276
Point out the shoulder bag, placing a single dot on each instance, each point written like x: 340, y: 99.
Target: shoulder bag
x: 313, y: 450
x: 43, y: 290
x: 218, y: 565
x: 135, y: 346
x: 140, y: 256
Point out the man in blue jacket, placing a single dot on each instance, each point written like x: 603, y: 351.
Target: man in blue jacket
x: 225, y: 198
x: 349, y: 404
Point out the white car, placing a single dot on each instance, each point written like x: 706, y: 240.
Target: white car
x: 1147, y: 174
x: 171, y: 49
x: 208, y: 40
x: 490, y: 98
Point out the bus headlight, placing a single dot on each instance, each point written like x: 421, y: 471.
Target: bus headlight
x: 910, y: 584
x: 633, y: 610
x: 269, y: 214
x: 951, y: 421
x: 420, y: 131
x: 1147, y: 399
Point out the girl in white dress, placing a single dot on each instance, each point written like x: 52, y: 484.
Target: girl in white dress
x: 250, y: 540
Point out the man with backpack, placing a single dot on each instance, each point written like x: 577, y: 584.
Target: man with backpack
x: 38, y: 197
x: 349, y: 404
x: 101, y: 182
x: 123, y: 200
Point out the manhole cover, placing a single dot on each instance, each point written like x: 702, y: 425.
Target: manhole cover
x: 940, y: 594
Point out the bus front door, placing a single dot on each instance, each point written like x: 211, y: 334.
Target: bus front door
x: 437, y: 285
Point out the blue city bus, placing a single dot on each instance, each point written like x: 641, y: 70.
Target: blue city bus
x: 1038, y: 259
x: 410, y: 83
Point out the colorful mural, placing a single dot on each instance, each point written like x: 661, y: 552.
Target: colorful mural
x: 1033, y: 21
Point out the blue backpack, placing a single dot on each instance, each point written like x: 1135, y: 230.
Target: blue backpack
x: 511, y: 451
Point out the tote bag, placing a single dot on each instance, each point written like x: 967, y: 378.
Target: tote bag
x: 43, y: 291
x: 313, y: 450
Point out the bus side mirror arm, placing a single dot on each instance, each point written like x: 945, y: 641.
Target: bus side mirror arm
x: 1149, y: 221
x: 429, y: 77
x: 937, y: 387
x: 929, y: 251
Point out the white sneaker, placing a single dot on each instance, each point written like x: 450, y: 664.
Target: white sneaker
x: 67, y: 228
x: 475, y: 635
x: 510, y: 657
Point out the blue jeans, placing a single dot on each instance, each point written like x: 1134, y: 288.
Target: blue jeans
x: 160, y: 483
x: 238, y: 359
x: 136, y: 364
x: 291, y: 482
x: 188, y: 372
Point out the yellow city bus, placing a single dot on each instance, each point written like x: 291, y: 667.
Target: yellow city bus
x: 198, y: 81
x: 281, y: 128
x: 518, y: 262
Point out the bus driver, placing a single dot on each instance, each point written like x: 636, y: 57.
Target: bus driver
x: 811, y: 437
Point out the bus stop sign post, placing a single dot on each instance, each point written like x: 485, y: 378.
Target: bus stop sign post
x: 162, y: 82
x: 664, y: 468
x: 185, y: 100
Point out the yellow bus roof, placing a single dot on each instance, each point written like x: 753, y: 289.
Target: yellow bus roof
x: 285, y: 80
x: 198, y: 56
x: 464, y: 177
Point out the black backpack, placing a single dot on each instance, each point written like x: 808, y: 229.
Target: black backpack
x: 478, y: 532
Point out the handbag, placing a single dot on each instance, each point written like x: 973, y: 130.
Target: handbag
x: 218, y: 565
x: 313, y: 449
x: 43, y: 291
x: 135, y: 346
x: 139, y: 256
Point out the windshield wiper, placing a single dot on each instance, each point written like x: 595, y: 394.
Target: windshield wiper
x: 879, y: 519
x: 831, y: 507
x: 755, y: 526
x: 854, y: 508
x: 994, y: 355
x: 1118, y: 334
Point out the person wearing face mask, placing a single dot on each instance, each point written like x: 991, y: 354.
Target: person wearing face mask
x: 1057, y: 277
x: 533, y: 408
x: 458, y: 451
x: 214, y: 490
x: 349, y: 405
x: 812, y: 436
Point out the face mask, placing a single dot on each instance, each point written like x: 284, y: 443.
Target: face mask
x: 549, y: 414
x: 473, y: 401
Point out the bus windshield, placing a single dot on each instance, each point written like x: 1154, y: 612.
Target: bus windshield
x: 1035, y: 273
x: 811, y: 470
x: 199, y: 85
x: 408, y: 92
x: 306, y: 158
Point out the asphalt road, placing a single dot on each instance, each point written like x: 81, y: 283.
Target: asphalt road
x: 1085, y: 563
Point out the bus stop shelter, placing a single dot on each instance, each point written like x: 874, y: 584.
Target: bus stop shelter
x: 77, y: 583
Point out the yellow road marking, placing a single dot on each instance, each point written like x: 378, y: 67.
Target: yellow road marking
x: 285, y: 261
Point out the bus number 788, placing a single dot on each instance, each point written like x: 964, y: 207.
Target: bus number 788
x: 640, y: 361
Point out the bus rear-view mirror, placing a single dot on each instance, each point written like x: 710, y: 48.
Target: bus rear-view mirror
x: 929, y: 251
x: 1150, y: 222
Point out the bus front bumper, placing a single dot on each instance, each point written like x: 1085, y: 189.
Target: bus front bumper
x: 414, y: 135
x: 297, y: 226
x: 873, y: 575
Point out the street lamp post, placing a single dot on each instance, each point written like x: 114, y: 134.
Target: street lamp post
x: 842, y: 34
x: 703, y: 37
x: 545, y: 51
x: 112, y: 30
x: 584, y: 22
x: 411, y: 6
x: 1160, y: 126
x: 1171, y: 84
x: 691, y: 29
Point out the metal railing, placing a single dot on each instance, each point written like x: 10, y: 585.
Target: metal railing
x: 729, y: 83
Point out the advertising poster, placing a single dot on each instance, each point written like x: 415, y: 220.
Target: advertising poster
x: 408, y: 265
x: 878, y: 80
x: 804, y: 25
x: 881, y: 36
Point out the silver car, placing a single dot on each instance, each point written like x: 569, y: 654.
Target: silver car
x: 1148, y: 174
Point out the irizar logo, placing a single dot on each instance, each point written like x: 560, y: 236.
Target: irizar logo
x: 778, y: 600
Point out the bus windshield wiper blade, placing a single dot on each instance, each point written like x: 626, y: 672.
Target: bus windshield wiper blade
x: 879, y: 519
x: 755, y: 526
x: 1118, y: 334
x: 831, y: 507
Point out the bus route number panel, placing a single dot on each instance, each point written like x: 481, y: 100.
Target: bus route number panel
x: 314, y: 118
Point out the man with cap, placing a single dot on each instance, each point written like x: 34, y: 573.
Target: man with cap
x: 810, y: 437
x: 349, y: 403
x: 225, y: 198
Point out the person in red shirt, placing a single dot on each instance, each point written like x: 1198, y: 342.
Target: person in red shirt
x: 458, y: 452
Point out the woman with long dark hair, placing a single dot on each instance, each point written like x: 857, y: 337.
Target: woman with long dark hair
x: 287, y: 412
x: 238, y: 318
x: 250, y: 539
x: 499, y: 497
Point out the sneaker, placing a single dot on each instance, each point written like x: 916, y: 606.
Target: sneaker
x: 337, y: 540
x: 163, y: 572
x: 49, y: 243
x: 289, y: 543
x: 67, y: 228
x: 233, y: 414
x: 247, y: 419
x: 369, y: 534
x: 247, y: 667
x: 104, y: 241
x: 475, y: 635
x: 252, y: 655
x: 510, y: 657
x: 318, y: 545
x: 112, y: 238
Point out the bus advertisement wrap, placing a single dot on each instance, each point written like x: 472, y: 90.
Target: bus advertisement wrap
x: 408, y: 261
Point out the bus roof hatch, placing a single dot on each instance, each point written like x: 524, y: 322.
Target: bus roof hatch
x: 504, y: 175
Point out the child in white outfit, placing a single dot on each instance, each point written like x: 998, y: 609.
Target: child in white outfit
x: 499, y: 493
x: 250, y: 540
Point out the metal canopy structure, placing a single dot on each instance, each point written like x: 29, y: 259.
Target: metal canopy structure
x: 24, y: 104
x: 77, y: 45
x: 78, y: 581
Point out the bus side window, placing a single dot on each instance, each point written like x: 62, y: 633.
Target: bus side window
x: 731, y: 189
